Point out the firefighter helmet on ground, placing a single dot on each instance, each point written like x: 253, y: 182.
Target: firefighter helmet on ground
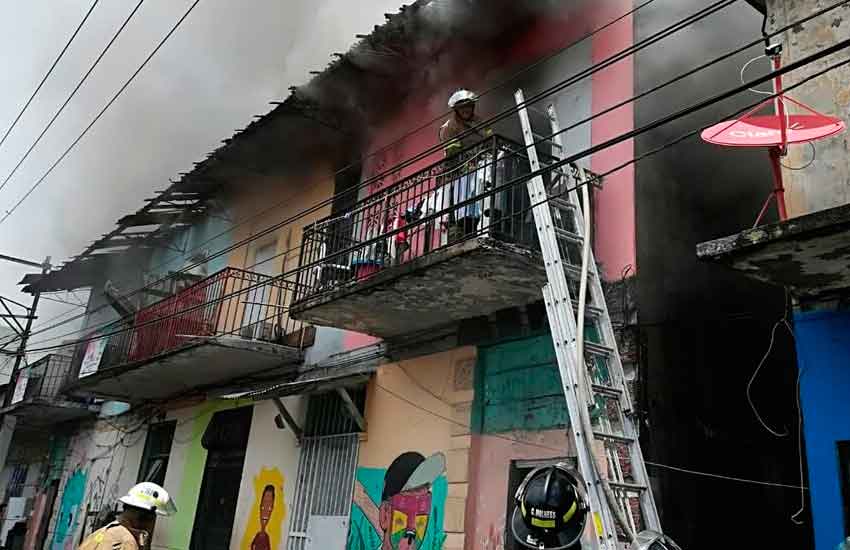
x: 150, y: 496
x: 551, y: 510
x: 461, y: 98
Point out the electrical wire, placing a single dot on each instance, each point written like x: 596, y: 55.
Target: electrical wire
x: 728, y: 478
x: 555, y: 165
x: 811, y: 160
x: 99, y: 115
x: 573, y: 79
x: 623, y: 54
x: 778, y: 31
x: 560, y: 452
x: 47, y: 75
x: 773, y: 432
x: 70, y: 96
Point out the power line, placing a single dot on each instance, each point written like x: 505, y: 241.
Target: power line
x: 614, y: 58
x: 47, y: 75
x: 546, y: 139
x: 70, y: 97
x: 614, y: 141
x: 682, y: 24
x: 561, y: 451
x: 287, y: 200
x: 727, y: 478
x: 100, y: 114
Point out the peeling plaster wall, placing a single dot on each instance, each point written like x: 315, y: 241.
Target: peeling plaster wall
x: 826, y: 183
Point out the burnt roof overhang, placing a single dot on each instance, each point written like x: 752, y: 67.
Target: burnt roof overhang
x: 809, y: 255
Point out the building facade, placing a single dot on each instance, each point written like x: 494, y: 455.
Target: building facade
x: 284, y: 338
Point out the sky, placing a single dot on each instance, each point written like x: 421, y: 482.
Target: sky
x: 224, y: 65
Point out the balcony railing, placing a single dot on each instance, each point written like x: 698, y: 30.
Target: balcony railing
x: 232, y: 302
x: 43, y: 379
x: 479, y: 192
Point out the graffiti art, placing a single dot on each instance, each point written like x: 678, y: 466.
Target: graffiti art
x: 400, y: 508
x: 263, y: 529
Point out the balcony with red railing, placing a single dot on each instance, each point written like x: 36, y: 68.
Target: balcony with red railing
x: 229, y: 329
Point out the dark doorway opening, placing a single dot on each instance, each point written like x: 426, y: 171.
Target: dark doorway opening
x: 226, y: 440
x: 844, y: 473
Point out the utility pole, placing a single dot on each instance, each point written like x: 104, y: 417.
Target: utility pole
x: 7, y: 422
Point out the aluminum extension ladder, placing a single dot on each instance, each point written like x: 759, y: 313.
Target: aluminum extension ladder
x: 596, y: 386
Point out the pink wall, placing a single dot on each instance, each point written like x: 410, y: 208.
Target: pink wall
x: 615, y: 211
x: 615, y: 241
x: 489, y: 465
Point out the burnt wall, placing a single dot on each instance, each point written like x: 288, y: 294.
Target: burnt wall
x: 703, y: 329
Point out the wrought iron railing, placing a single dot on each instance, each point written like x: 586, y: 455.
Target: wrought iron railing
x: 231, y: 302
x: 42, y: 379
x: 480, y: 192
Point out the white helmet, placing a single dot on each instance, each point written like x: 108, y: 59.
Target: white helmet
x: 460, y: 97
x: 150, y: 496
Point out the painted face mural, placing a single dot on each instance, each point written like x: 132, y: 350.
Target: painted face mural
x: 407, y: 505
x: 263, y: 531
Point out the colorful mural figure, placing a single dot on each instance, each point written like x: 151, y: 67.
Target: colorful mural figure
x: 400, y: 508
x: 67, y: 520
x: 264, y: 524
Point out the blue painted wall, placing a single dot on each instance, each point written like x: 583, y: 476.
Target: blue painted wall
x: 823, y: 354
x: 193, y: 240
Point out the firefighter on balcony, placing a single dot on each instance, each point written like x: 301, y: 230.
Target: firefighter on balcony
x: 458, y: 134
x: 133, y: 528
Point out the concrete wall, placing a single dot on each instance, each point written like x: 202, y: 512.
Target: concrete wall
x: 826, y: 183
x: 823, y: 345
x: 419, y: 406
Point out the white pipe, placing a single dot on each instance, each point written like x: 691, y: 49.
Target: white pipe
x: 619, y: 517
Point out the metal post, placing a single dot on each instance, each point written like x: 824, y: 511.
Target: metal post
x: 777, y: 152
x: 10, y: 389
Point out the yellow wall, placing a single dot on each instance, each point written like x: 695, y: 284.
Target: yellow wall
x: 423, y: 405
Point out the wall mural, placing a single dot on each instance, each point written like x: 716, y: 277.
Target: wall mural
x: 263, y: 529
x: 69, y: 508
x: 401, y: 507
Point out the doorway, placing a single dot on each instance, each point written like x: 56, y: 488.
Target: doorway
x: 257, y: 319
x: 226, y: 440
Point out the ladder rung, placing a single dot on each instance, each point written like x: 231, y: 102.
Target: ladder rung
x: 598, y: 348
x: 564, y: 234
x: 561, y: 203
x: 613, y: 392
x: 613, y: 437
x: 627, y: 486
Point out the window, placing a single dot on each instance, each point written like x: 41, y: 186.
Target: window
x: 155, y: 456
x: 17, y: 481
x: 844, y: 473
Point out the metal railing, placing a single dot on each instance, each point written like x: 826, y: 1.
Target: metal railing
x: 43, y: 379
x: 455, y: 199
x: 231, y: 302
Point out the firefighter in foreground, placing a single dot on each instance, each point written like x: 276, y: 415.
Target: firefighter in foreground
x: 133, y: 528
x: 551, y: 514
